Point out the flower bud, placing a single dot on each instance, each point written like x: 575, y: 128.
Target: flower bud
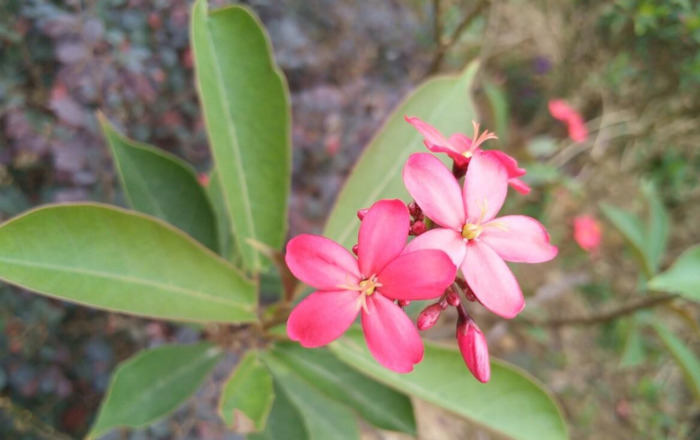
x: 361, y: 214
x: 475, y: 351
x: 417, y: 228
x: 403, y: 303
x: 414, y: 209
x: 469, y: 294
x: 355, y: 249
x: 452, y: 297
x: 429, y: 316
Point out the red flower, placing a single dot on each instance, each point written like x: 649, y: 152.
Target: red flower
x: 587, y: 233
x: 562, y: 111
x: 470, y: 234
x: 382, y: 273
x: 462, y: 148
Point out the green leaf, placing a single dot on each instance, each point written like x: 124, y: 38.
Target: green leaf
x: 512, y: 404
x: 162, y: 185
x: 498, y: 101
x: 227, y: 246
x: 324, y: 418
x: 444, y: 102
x: 378, y: 404
x: 633, y: 352
x: 109, y: 258
x: 632, y: 229
x: 246, y: 109
x: 285, y: 421
x: 683, y: 277
x: 686, y: 359
x: 247, y: 396
x: 152, y: 384
x: 657, y: 236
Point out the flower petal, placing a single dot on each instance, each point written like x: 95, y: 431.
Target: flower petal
x: 518, y: 238
x: 383, y: 235
x: 391, y: 337
x: 323, y: 316
x: 509, y: 162
x: 446, y: 240
x: 321, y: 263
x: 435, y: 190
x: 519, y: 186
x: 431, y: 134
x: 485, y: 187
x: 418, y: 275
x: 492, y: 281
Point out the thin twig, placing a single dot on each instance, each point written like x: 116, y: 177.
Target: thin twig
x: 606, y: 316
x: 444, y: 46
x: 25, y: 421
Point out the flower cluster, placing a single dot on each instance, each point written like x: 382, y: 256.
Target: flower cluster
x: 456, y: 230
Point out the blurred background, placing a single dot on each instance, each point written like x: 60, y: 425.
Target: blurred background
x: 631, y: 68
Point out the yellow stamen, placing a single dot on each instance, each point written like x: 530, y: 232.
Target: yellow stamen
x: 471, y: 231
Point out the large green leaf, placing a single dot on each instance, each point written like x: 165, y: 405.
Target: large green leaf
x: 247, y: 396
x: 512, y: 404
x: 227, y: 246
x: 110, y: 258
x: 375, y: 402
x: 683, y: 277
x: 162, y: 185
x: 686, y: 359
x: 323, y: 417
x: 246, y: 109
x: 153, y: 384
x: 285, y: 421
x: 444, y: 102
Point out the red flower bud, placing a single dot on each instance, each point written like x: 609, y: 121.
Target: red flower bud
x: 355, y: 249
x: 361, y: 214
x: 429, y: 316
x: 452, y: 297
x: 475, y: 351
x: 469, y: 294
x: 417, y: 228
x: 403, y: 303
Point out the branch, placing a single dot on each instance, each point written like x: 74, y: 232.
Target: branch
x: 25, y: 421
x: 445, y: 47
x: 606, y: 316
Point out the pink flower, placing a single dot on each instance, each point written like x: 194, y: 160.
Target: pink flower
x: 203, y: 179
x: 461, y: 149
x: 471, y: 236
x: 475, y: 351
x: 382, y: 273
x: 587, y: 233
x: 562, y: 111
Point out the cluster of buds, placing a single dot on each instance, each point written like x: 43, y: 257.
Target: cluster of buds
x: 455, y: 229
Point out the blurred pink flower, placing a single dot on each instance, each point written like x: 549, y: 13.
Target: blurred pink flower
x: 203, y: 179
x: 462, y: 148
x: 587, y: 233
x: 475, y: 351
x: 562, y: 111
x: 470, y: 235
x: 382, y: 273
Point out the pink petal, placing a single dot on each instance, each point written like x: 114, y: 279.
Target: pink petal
x: 519, y: 186
x: 560, y: 110
x: 429, y: 133
x: 323, y: 316
x: 587, y: 232
x: 460, y: 142
x: 485, y: 187
x: 492, y: 281
x: 417, y: 275
x: 475, y: 351
x: 446, y: 240
x: 449, y: 150
x: 321, y: 263
x: 435, y: 190
x: 509, y: 162
x: 518, y: 238
x: 577, y: 128
x: 383, y: 235
x: 391, y: 337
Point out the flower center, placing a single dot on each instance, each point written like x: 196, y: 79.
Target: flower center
x: 369, y: 285
x: 470, y: 231
x: 468, y: 154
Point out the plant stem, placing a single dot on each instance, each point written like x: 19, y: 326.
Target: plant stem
x: 606, y: 316
x: 25, y: 421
